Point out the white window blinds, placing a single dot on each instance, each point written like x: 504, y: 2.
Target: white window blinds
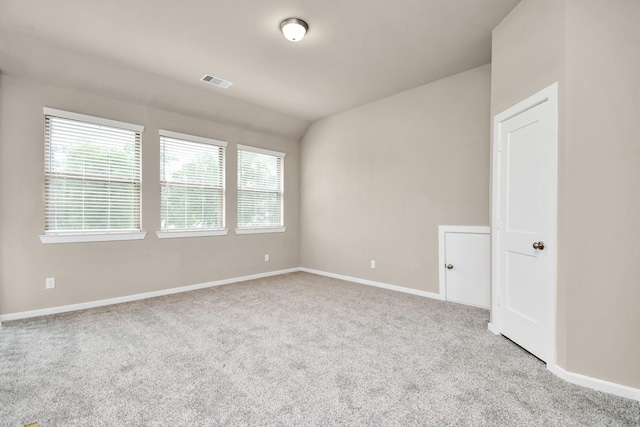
x: 92, y: 174
x: 191, y: 182
x: 260, y: 187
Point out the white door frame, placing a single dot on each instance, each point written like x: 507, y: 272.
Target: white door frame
x: 442, y: 230
x: 550, y: 95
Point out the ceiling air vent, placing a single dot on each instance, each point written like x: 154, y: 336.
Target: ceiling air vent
x: 216, y: 81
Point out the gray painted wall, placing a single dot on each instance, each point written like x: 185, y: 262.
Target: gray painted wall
x: 591, y: 48
x: 377, y: 181
x: 94, y: 271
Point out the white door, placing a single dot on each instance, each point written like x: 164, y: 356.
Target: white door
x: 525, y: 155
x: 466, y: 265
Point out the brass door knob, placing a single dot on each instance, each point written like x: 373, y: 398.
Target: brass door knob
x: 449, y: 266
x: 538, y: 245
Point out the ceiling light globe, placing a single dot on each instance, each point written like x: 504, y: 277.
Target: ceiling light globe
x: 294, y: 29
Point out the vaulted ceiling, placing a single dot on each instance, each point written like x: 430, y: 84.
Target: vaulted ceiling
x: 154, y: 52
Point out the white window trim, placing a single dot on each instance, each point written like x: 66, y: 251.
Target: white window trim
x: 91, y: 237
x: 92, y: 119
x: 191, y: 233
x: 261, y: 151
x: 260, y: 230
x: 82, y: 237
x: 193, y: 138
x: 168, y: 234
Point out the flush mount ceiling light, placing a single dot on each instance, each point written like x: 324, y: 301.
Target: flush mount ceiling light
x: 293, y: 29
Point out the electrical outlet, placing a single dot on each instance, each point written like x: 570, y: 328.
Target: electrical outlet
x: 50, y: 283
x: 373, y: 263
x: 266, y: 257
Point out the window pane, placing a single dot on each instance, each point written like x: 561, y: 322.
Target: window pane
x: 259, y: 209
x: 92, y: 177
x: 189, y: 207
x: 260, y: 192
x: 259, y: 171
x: 192, y: 184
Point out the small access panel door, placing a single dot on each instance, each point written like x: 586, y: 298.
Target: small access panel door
x: 466, y: 264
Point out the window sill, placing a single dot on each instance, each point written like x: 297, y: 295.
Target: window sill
x: 259, y: 230
x: 97, y: 237
x: 194, y: 233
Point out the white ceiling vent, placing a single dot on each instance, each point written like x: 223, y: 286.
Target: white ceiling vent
x: 216, y: 81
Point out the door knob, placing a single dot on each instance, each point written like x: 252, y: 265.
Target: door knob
x: 538, y: 245
x: 449, y: 266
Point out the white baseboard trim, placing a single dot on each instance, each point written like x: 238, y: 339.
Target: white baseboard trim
x: 136, y: 297
x: 431, y: 295
x: 595, y: 383
x: 585, y: 381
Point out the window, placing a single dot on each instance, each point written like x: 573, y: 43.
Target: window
x: 191, y: 185
x: 260, y: 190
x: 92, y: 178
